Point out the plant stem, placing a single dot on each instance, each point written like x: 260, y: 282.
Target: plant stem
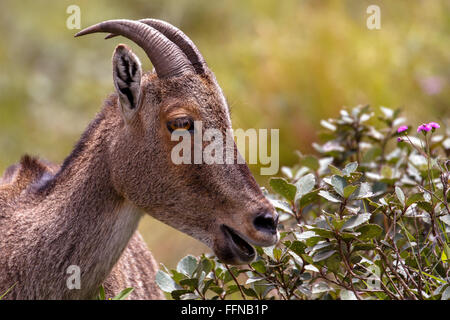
x: 237, y: 283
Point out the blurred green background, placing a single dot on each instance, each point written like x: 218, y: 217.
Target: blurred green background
x: 282, y: 64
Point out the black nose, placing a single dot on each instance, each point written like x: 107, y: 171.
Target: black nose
x: 266, y: 222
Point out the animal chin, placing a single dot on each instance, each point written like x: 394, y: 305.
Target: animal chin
x: 243, y: 252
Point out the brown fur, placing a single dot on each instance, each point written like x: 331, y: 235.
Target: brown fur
x: 136, y: 267
x: 85, y: 212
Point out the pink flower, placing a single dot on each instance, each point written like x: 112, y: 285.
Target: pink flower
x: 402, y: 129
x: 432, y: 85
x: 424, y: 128
x: 434, y: 125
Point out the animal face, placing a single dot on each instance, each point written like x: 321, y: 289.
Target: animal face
x: 219, y: 203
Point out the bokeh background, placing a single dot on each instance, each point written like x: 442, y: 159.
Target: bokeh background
x: 282, y: 64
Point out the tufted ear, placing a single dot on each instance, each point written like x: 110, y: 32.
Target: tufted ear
x: 127, y: 73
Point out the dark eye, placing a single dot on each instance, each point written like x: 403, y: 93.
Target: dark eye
x: 184, y: 123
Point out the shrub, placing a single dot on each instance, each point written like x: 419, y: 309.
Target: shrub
x: 368, y: 219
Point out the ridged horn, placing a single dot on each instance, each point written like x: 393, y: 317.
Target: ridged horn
x: 167, y: 58
x: 180, y: 39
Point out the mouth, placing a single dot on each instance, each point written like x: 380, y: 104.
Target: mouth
x: 239, y: 247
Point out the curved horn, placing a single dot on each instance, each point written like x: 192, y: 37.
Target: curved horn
x: 180, y: 39
x: 167, y: 58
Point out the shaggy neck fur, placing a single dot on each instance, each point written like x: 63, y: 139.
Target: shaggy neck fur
x: 73, y: 218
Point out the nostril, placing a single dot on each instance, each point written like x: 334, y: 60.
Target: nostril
x: 266, y: 222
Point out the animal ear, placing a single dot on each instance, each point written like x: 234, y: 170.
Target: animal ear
x: 127, y: 73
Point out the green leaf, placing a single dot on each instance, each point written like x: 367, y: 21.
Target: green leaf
x: 371, y: 154
x: 308, y: 198
x: 123, y: 294
x: 386, y: 172
x: 252, y: 279
x: 445, y: 256
x: 323, y: 232
x: 446, y: 294
x: 328, y: 125
x: 363, y: 246
x: 322, y: 255
x: 297, y: 247
x: 320, y: 246
x: 400, y: 195
x: 388, y: 113
x: 307, y: 258
x: 205, y: 265
x: 207, y: 284
x: 349, y: 235
x: 369, y: 231
x: 306, y: 276
x: 281, y: 205
x: 101, y: 294
x: 305, y: 235
x: 334, y: 170
x: 191, y: 283
x: 414, y: 198
x: 189, y: 296
x: 334, y: 263
x: 232, y: 289
x: 287, y: 172
x: 355, y: 221
x: 425, y: 206
x: 349, y: 168
x: 277, y: 253
x: 320, y: 287
x: 338, y: 184
x: 176, y: 294
x: 187, y: 265
x: 165, y: 282
x: 283, y: 188
x: 249, y: 292
x: 216, y: 289
x: 445, y: 219
x: 269, y: 251
x: 431, y: 276
x: 228, y: 277
x: 310, y: 162
x: 338, y: 223
x: 408, y: 234
x: 177, y: 276
x: 348, y: 190
x: 312, y: 241
x: 364, y: 191
x: 328, y: 196
x: 304, y: 185
x: 347, y: 295
x: 259, y: 266
x: 355, y: 259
